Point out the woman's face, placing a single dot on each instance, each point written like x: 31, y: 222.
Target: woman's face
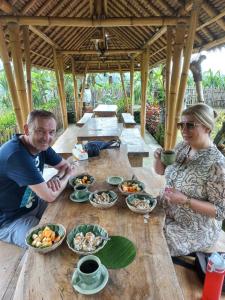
x: 193, y: 132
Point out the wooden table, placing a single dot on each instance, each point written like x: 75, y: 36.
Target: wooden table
x: 103, y: 110
x: 103, y: 129
x: 150, y: 276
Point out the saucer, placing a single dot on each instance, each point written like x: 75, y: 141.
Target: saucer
x: 84, y: 289
x: 80, y: 199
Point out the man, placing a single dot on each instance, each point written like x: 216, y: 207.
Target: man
x: 23, y: 191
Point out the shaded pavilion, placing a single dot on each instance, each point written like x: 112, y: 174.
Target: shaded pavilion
x: 93, y: 36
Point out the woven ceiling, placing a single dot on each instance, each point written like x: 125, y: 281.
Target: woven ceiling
x: 102, y: 40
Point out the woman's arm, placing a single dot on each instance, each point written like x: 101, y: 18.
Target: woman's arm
x: 159, y: 167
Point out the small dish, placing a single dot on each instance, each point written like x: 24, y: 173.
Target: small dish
x: 83, y: 178
x: 84, y: 289
x: 83, y: 229
x: 59, y: 231
x: 114, y: 180
x: 128, y: 187
x: 103, y: 199
x: 80, y: 199
x: 141, y: 203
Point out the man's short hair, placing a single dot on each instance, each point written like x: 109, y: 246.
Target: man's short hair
x: 39, y: 113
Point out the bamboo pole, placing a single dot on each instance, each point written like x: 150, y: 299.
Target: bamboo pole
x: 61, y: 80
x: 144, y: 81
x: 11, y: 82
x: 93, y: 52
x: 132, y: 86
x: 16, y: 52
x: 82, y: 92
x: 168, y: 77
x: 26, y: 43
x: 123, y: 86
x: 187, y: 56
x: 88, y: 22
x: 177, y: 55
x: 76, y: 98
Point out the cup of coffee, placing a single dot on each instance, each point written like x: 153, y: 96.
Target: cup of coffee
x: 89, y: 270
x: 168, y: 157
x: 80, y: 190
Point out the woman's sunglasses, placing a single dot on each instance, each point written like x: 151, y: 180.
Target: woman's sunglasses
x: 188, y: 125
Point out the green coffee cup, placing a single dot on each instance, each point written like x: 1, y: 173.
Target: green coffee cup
x: 168, y: 157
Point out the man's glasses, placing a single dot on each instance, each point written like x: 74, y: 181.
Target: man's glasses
x: 187, y: 125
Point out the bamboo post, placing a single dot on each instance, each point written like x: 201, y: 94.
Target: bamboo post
x: 124, y: 90
x: 175, y: 79
x: 16, y: 52
x: 168, y: 75
x: 82, y: 91
x: 132, y: 86
x: 144, y: 82
x: 26, y: 43
x: 187, y: 56
x: 11, y: 83
x: 61, y: 80
x: 76, y: 98
x: 59, y: 88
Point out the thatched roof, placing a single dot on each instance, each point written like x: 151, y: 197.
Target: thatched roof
x: 69, y: 28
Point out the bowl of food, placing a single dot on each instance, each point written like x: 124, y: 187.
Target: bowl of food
x: 114, y: 180
x: 87, y: 238
x: 141, y: 203
x: 45, y: 238
x: 103, y: 199
x: 128, y: 187
x: 84, y: 179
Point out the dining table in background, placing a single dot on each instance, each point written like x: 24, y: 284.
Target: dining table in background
x: 104, y: 110
x: 150, y: 276
x: 103, y: 129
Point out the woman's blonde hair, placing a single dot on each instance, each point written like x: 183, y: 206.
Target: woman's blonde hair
x: 202, y: 113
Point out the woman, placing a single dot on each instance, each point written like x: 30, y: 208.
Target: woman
x: 194, y: 197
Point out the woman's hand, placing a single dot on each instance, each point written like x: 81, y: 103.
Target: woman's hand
x: 158, y: 165
x: 157, y: 153
x: 174, y: 196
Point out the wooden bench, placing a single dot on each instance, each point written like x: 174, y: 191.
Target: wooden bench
x: 11, y: 260
x: 136, y: 147
x: 128, y: 120
x: 84, y: 119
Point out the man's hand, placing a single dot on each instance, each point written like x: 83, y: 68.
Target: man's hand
x: 54, y: 183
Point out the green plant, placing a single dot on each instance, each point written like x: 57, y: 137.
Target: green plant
x: 159, y: 134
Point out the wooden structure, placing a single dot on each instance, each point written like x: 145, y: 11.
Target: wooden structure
x: 137, y: 280
x: 107, y: 36
x: 128, y: 120
x: 103, y: 110
x: 84, y: 119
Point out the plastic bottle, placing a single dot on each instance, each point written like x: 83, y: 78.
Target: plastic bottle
x: 214, y: 277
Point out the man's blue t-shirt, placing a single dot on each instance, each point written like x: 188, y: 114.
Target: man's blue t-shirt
x: 19, y: 169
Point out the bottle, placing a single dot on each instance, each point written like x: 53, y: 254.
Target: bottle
x: 214, y: 277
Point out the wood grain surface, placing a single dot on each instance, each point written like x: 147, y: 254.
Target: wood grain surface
x: 150, y: 276
x: 104, y: 110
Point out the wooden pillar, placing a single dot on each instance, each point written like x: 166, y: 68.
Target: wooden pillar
x: 16, y: 52
x: 187, y: 56
x: 175, y: 80
x: 61, y: 80
x: 168, y: 75
x: 144, y: 83
x: 26, y: 43
x: 82, y: 92
x: 76, y: 98
x: 60, y: 92
x: 11, y: 82
x: 124, y: 90
x: 132, y: 86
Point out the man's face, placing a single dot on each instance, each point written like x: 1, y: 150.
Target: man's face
x: 41, y: 133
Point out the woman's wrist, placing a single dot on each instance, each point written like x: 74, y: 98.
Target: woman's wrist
x: 187, y: 202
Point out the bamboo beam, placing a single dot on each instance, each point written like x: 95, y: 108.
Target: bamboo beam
x: 156, y: 36
x: 26, y: 43
x: 44, y: 37
x: 132, y: 86
x: 11, y: 82
x: 91, y: 3
x: 103, y: 62
x: 27, y: 6
x: 86, y: 22
x: 76, y: 98
x: 177, y: 55
x: 168, y: 75
x: 144, y: 82
x: 16, y: 52
x: 94, y: 52
x: 186, y: 64
x: 61, y: 79
x: 212, y: 12
x: 214, y: 19
x: 5, y: 6
x: 82, y: 92
x: 210, y: 45
x: 123, y: 86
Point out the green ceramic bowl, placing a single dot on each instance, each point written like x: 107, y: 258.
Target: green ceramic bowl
x: 57, y: 228
x: 84, y: 228
x: 77, y: 180
x: 113, y: 198
x: 142, y: 197
x: 126, y: 186
x: 115, y: 180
